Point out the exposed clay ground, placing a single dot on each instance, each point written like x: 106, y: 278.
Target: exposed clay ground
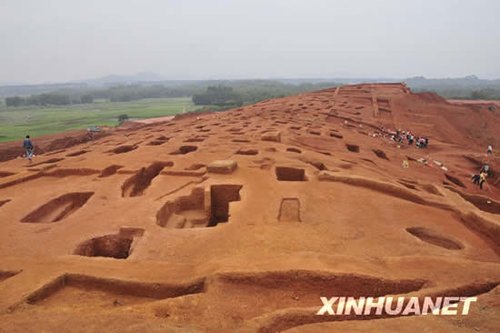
x: 475, y: 102
x: 154, y: 120
x: 133, y: 232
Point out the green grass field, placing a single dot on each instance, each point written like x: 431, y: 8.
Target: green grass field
x: 15, y: 123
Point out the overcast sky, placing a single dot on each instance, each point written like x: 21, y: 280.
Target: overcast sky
x: 62, y: 40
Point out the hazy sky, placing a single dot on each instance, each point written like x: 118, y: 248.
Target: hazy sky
x: 61, y: 40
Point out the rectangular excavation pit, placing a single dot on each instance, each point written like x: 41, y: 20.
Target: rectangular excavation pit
x: 4, y: 275
x: 220, y: 197
x: 279, y: 290
x: 481, y: 202
x: 3, y: 202
x: 49, y: 161
x: 77, y: 153
x: 131, y: 232
x: 109, y: 171
x: 294, y: 150
x: 183, y: 150
x: 352, y: 148
x: 435, y: 238
x: 195, y: 139
x: 59, y: 208
x: 289, y: 210
x: 247, y: 152
x: 200, y: 208
x: 380, y: 154
x: 111, y: 246
x: 156, y: 142
x: 455, y: 180
x: 6, y: 174
x: 118, y: 246
x: 123, y: 149
x: 290, y: 174
x: 77, y: 291
x: 185, y: 211
x: 138, y: 183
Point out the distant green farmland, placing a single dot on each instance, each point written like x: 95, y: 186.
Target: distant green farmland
x: 15, y: 123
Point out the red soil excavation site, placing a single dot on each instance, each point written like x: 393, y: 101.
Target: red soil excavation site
x: 240, y: 221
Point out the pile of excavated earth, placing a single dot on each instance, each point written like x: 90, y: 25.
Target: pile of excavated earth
x: 240, y: 221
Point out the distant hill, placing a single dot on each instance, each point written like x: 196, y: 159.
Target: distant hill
x: 125, y: 79
x: 467, y: 82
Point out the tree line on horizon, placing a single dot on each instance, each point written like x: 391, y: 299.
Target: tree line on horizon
x: 226, y: 96
x: 472, y: 94
x: 223, y: 95
x: 113, y: 94
x: 48, y: 99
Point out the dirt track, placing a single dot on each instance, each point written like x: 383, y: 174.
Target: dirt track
x: 140, y: 231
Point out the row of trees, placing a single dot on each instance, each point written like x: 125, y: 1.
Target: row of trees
x: 48, y: 99
x: 220, y: 93
x: 485, y: 94
x: 137, y: 92
x: 247, y: 92
x: 113, y: 94
x: 462, y: 93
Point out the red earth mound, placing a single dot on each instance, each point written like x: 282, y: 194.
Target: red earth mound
x: 240, y: 221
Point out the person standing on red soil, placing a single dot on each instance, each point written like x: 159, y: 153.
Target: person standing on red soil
x: 28, y: 147
x: 489, y: 151
x: 479, y: 179
x: 475, y: 179
x: 482, y: 179
x: 410, y: 138
x: 485, y: 168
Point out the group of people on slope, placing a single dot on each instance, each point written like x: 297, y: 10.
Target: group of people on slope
x: 421, y: 142
x: 400, y: 136
x: 485, y: 171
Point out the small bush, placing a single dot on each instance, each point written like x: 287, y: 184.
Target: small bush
x: 122, y: 118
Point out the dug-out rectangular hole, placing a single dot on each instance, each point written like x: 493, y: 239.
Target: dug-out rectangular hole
x: 220, y: 197
x: 352, y: 148
x: 138, y: 183
x: 111, y: 246
x: 290, y: 174
x: 183, y: 150
x: 107, y: 292
x: 59, y: 208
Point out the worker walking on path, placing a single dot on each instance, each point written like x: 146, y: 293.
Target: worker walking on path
x: 28, y: 148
